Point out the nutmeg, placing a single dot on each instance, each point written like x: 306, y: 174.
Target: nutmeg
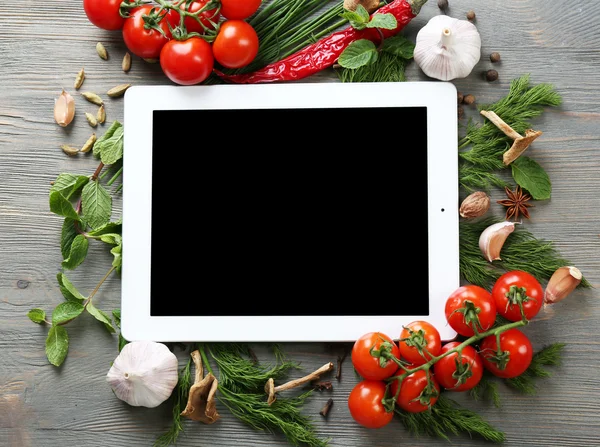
x: 474, y: 205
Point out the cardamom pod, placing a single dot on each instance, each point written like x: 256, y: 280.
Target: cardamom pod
x: 64, y: 109
x: 91, y: 119
x: 79, y: 79
x: 89, y: 144
x: 93, y: 98
x: 126, y: 64
x: 101, y: 51
x: 151, y: 60
x: 69, y: 150
x: 101, y: 115
x: 118, y: 91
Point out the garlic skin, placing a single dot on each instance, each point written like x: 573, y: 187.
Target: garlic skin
x: 562, y: 282
x: 447, y: 48
x: 144, y: 374
x: 492, y: 239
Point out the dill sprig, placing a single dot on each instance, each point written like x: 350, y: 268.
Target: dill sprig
x: 447, y: 418
x: 387, y: 68
x: 488, y: 143
x: 181, y: 394
x: 477, y: 177
x: 241, y: 390
x: 548, y: 356
x: 486, y: 390
x: 521, y: 251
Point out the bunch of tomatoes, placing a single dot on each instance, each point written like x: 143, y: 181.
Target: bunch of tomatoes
x: 409, y: 374
x: 188, y: 37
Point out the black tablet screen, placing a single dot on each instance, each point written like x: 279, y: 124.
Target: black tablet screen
x: 289, y: 212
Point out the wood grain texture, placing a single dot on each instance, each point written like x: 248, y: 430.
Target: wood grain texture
x: 41, y: 51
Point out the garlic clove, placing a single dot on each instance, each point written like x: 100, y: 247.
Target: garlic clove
x: 447, y: 48
x: 492, y: 239
x: 562, y: 282
x: 64, y: 109
x: 144, y: 374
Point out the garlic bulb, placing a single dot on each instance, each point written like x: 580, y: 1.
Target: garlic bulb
x: 492, y: 239
x: 447, y: 48
x: 144, y: 374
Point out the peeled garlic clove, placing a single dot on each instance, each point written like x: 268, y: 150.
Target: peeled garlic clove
x: 492, y: 239
x: 144, y: 374
x: 64, y: 109
x: 562, y: 282
x: 447, y: 48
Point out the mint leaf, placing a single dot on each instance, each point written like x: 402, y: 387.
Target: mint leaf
x: 68, y: 233
x: 118, y: 257
x: 399, y: 46
x: 96, y: 204
x: 532, y: 177
x: 110, y: 227
x: 65, y: 312
x: 117, y: 319
x: 359, y: 53
x: 57, y: 345
x: 61, y: 206
x: 77, y: 253
x: 100, y: 316
x: 358, y: 19
x: 111, y: 238
x: 67, y: 288
x: 111, y: 148
x: 383, y: 21
x: 100, y: 142
x: 37, y: 316
x: 69, y: 184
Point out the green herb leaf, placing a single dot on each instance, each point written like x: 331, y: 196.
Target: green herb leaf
x: 100, y: 316
x: 77, y: 253
x: 96, y: 204
x: 383, y: 21
x: 68, y: 233
x: 61, y: 206
x: 117, y: 252
x: 111, y: 150
x: 358, y: 19
x: 101, y: 142
x: 117, y: 319
x: 65, y: 312
x: 550, y: 355
x: 37, y: 316
x: 359, y: 53
x: 111, y: 238
x: 532, y: 177
x: 109, y: 227
x: 57, y: 345
x: 69, y: 184
x: 67, y: 288
x: 399, y: 46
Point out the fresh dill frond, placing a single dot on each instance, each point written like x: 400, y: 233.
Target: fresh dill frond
x: 181, y: 394
x: 473, y: 178
x: 241, y: 374
x: 486, y: 390
x: 550, y: 355
x: 447, y: 418
x: 387, y: 68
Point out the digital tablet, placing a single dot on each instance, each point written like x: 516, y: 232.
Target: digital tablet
x: 288, y: 212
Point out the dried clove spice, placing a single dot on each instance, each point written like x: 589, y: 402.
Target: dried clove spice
x: 201, y: 404
x: 325, y: 410
x: 322, y: 385
x: 340, y: 360
x: 272, y: 390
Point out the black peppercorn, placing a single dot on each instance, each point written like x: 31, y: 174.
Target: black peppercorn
x: 495, y: 57
x: 471, y: 15
x: 460, y: 97
x: 469, y: 99
x: 443, y: 4
x: 460, y: 111
x: 491, y: 75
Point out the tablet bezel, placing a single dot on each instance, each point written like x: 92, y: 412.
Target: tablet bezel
x: 442, y: 135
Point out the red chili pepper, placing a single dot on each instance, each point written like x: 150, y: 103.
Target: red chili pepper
x: 325, y: 52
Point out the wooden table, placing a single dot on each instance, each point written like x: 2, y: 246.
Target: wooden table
x: 42, y: 47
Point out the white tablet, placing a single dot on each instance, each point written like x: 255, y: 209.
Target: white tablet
x: 288, y: 212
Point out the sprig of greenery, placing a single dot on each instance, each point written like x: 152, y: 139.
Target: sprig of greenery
x: 447, y: 418
x: 550, y: 355
x: 486, y: 390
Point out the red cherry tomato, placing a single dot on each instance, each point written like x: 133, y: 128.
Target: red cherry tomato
x: 420, y: 349
x: 207, y: 18
x: 236, y: 44
x: 368, y: 366
x: 141, y: 41
x: 239, y: 9
x: 417, y: 392
x: 447, y: 372
x: 366, y: 408
x: 516, y: 351
x: 104, y: 13
x: 516, y: 287
x: 470, y: 306
x: 187, y: 62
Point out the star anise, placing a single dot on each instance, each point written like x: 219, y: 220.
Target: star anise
x: 516, y: 204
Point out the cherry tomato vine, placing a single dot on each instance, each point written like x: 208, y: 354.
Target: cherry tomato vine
x: 415, y: 369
